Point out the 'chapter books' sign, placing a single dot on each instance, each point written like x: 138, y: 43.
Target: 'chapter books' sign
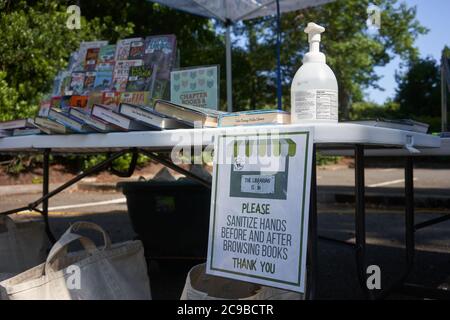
x: 260, y: 205
x: 197, y: 87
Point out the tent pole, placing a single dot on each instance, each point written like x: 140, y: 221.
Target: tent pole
x: 279, y: 92
x: 228, y: 66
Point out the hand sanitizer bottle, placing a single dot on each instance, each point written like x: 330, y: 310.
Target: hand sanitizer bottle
x: 314, y: 89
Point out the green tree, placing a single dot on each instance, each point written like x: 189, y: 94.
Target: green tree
x: 419, y: 89
x: 35, y: 44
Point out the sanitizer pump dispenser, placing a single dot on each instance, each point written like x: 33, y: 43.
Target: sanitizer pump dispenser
x: 314, y: 89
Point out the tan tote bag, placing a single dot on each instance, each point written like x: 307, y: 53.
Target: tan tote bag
x: 23, y: 245
x: 201, y: 286
x: 115, y: 271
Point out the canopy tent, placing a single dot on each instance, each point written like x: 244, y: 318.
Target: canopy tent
x: 231, y: 11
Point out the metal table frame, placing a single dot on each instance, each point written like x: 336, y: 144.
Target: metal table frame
x: 360, y: 214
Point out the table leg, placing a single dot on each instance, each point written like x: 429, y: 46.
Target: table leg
x: 45, y: 190
x: 409, y: 215
x: 360, y: 220
x: 312, y: 272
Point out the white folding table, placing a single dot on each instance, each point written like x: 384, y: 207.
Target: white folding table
x: 353, y: 139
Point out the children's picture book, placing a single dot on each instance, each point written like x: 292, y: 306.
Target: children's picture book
x: 66, y: 78
x: 161, y: 51
x: 78, y: 101
x: 111, y: 98
x: 121, y: 72
x: 44, y: 108
x: 106, y: 54
x: 77, y: 83
x: 141, y: 78
x: 160, y: 89
x: 74, y: 56
x: 91, y: 59
x: 56, y: 88
x: 141, y: 98
x: 123, y: 48
x: 136, y: 50
x: 103, y: 80
x: 89, y: 81
x: 79, y: 64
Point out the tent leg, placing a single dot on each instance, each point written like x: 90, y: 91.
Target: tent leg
x: 228, y: 66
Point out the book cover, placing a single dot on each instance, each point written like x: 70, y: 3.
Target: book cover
x: 89, y: 81
x: 254, y: 117
x: 111, y: 99
x: 103, y: 81
x: 123, y: 48
x: 136, y: 50
x: 91, y: 59
x: 141, y: 98
x: 66, y: 77
x: 121, y: 73
x: 160, y: 89
x: 161, y: 51
x: 55, y: 102
x: 94, y: 97
x: 106, y: 54
x: 73, y: 58
x: 141, y: 78
x: 57, y: 83
x: 64, y: 103
x: 196, y: 86
x: 79, y: 64
x: 44, y: 108
x: 77, y: 83
x: 78, y: 101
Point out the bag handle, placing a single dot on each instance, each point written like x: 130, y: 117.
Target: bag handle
x: 60, y: 247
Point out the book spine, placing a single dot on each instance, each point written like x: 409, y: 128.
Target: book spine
x: 111, y: 117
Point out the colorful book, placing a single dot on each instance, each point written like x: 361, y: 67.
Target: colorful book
x: 103, y: 80
x: 123, y: 48
x: 94, y: 123
x: 49, y: 126
x: 44, y: 108
x: 91, y: 59
x: 150, y: 117
x: 161, y: 51
x: 77, y: 101
x: 255, y: 117
x: 192, y: 116
x: 141, y: 98
x: 17, y: 124
x: 79, y: 64
x: 64, y: 119
x: 141, y: 78
x: 107, y: 53
x: 26, y: 132
x: 76, y: 83
x: 114, y: 118
x: 65, y: 83
x: 57, y: 83
x: 89, y: 81
x: 121, y: 73
x: 136, y: 50
x: 111, y: 98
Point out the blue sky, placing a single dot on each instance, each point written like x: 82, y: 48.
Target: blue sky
x: 433, y: 14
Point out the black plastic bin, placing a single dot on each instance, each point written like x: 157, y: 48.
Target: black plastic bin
x: 170, y: 217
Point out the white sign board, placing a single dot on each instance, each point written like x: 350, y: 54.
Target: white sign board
x: 260, y: 206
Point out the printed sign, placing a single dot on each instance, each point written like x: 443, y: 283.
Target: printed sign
x: 260, y: 206
x: 197, y: 87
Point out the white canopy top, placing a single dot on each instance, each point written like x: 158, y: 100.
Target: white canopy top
x: 235, y: 10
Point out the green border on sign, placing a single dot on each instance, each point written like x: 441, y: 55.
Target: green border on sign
x: 302, y: 215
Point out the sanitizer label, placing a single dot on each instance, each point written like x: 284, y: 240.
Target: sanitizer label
x: 318, y: 104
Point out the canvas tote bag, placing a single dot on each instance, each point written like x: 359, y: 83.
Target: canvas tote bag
x: 115, y: 271
x: 200, y: 286
x: 23, y: 245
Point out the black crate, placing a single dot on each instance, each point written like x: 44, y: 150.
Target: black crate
x: 170, y: 217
